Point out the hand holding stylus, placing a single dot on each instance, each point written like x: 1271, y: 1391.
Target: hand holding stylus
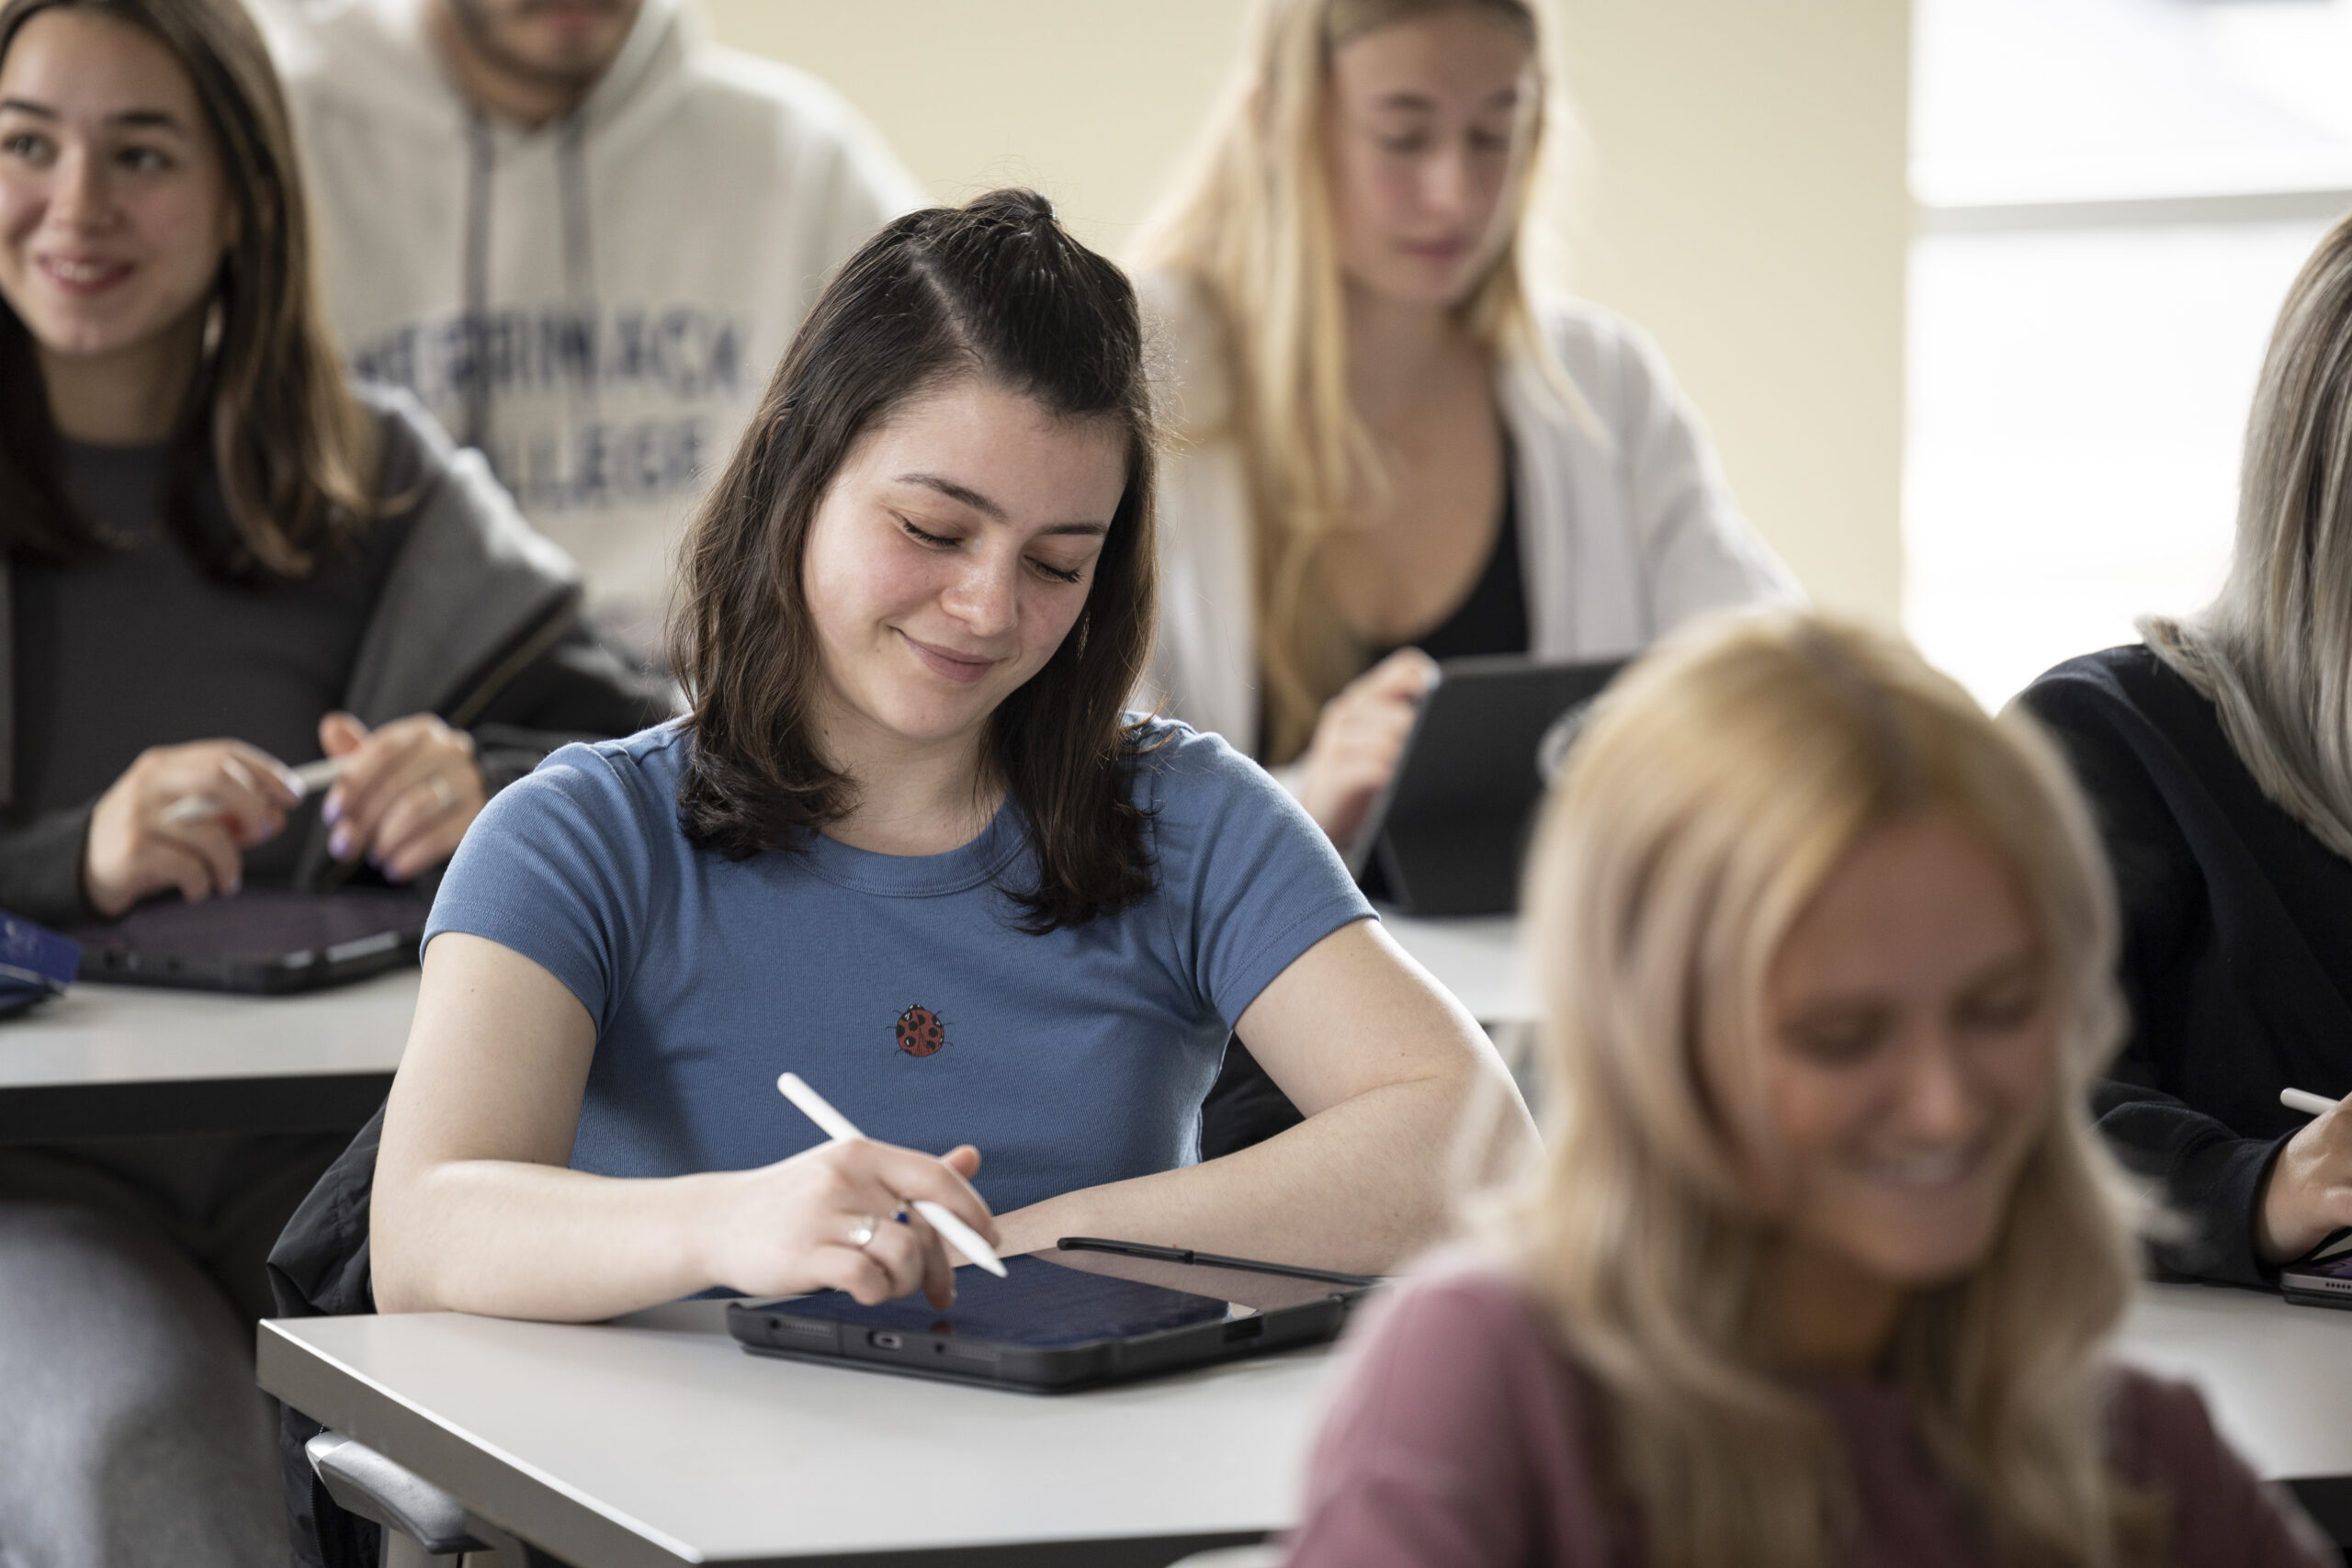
x: 2308, y: 1194
x: 958, y: 1234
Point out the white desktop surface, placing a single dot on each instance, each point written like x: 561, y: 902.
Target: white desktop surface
x: 126, y: 1034
x: 660, y: 1442
x: 1477, y: 957
x: 2277, y: 1377
x: 655, y: 1441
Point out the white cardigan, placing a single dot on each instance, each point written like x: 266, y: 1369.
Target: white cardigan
x: 1625, y: 526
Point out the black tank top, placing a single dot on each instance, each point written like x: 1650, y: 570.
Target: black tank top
x: 1493, y: 618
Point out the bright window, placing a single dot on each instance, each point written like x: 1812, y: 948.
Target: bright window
x: 2113, y: 196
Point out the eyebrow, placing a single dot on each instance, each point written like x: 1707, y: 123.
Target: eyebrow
x: 161, y: 119
x: 1421, y: 102
x: 990, y: 509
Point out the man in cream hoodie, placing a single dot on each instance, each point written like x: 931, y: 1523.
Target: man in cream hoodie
x: 583, y: 235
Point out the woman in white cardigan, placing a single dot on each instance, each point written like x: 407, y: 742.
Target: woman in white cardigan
x: 1387, y: 450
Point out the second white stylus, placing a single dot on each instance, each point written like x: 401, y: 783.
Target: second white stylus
x: 820, y: 1110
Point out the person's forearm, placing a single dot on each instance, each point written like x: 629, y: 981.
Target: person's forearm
x: 510, y: 1240
x: 1360, y: 1187
x: 41, y: 867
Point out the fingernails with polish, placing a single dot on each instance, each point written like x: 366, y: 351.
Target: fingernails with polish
x: 339, y: 843
x: 333, y: 811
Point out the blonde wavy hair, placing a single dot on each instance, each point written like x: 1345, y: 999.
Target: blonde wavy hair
x: 1249, y: 225
x: 1714, y: 792
x: 2273, y: 651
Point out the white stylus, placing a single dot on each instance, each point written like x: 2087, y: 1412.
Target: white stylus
x: 2304, y: 1101
x: 309, y: 779
x: 963, y: 1238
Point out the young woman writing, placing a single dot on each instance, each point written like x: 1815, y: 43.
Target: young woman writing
x: 1823, y: 1253
x: 908, y: 844
x: 1394, y: 452
x: 219, y: 558
x: 2218, y: 755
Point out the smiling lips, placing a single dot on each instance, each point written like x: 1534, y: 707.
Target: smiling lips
x: 962, y: 669
x: 1929, y: 1168
x: 83, y: 275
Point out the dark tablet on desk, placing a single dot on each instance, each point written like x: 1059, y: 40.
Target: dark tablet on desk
x: 1088, y: 1314
x: 1446, y: 837
x: 263, y: 940
x: 2323, y: 1278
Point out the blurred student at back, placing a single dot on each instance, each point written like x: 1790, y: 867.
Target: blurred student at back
x: 1395, y: 452
x: 1824, y: 1255
x: 583, y: 235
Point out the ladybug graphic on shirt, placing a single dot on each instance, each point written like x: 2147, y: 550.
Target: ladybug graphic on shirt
x: 921, y: 1032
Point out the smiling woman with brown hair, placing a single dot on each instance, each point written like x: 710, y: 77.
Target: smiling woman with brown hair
x: 909, y: 844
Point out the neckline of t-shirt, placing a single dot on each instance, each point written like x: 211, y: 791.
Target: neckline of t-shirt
x: 920, y: 876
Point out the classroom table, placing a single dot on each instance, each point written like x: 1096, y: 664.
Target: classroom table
x: 120, y: 1061
x: 655, y: 1441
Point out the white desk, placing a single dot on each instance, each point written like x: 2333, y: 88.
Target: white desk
x: 655, y: 1441
x: 1477, y: 957
x: 659, y: 1442
x: 111, y: 1060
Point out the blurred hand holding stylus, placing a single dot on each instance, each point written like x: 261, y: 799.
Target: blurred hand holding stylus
x: 839, y: 1127
x: 307, y: 780
x: 145, y: 840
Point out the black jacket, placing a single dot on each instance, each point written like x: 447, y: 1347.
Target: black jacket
x: 2237, y: 949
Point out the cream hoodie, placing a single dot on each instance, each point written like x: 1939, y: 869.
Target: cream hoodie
x: 597, y: 304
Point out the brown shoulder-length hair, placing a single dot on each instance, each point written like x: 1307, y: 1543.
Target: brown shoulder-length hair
x: 997, y: 290
x: 269, y: 409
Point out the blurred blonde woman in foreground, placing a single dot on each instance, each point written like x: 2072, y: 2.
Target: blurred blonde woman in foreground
x: 1824, y: 1255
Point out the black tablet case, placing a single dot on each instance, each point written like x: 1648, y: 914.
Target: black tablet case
x: 1448, y: 834
x: 910, y: 1338
x: 262, y: 941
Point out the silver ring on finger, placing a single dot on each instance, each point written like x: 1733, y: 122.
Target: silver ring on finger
x: 444, y: 797
x: 862, y: 1229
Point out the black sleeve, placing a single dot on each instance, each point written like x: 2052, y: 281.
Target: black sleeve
x: 2211, y: 1177
x: 41, y: 867
x: 2211, y: 1180
x: 580, y: 689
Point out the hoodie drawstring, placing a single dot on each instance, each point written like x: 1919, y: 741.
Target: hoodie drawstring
x: 476, y: 433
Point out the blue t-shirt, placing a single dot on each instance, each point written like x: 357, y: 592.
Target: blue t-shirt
x: 898, y: 986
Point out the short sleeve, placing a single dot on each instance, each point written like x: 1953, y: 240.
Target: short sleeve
x: 560, y: 868
x: 1250, y: 881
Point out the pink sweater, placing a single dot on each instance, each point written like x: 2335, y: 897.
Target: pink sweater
x: 1456, y: 1440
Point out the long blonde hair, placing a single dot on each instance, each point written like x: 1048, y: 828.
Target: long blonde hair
x: 1712, y: 795
x: 2273, y: 651
x: 1251, y: 226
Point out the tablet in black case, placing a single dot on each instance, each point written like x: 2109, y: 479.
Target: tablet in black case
x: 1448, y: 833
x: 1078, y: 1317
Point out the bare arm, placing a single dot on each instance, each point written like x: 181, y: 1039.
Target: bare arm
x: 475, y: 1209
x: 1392, y: 1074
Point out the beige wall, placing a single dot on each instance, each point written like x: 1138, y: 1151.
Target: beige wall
x: 1742, y: 195
x: 1739, y: 191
